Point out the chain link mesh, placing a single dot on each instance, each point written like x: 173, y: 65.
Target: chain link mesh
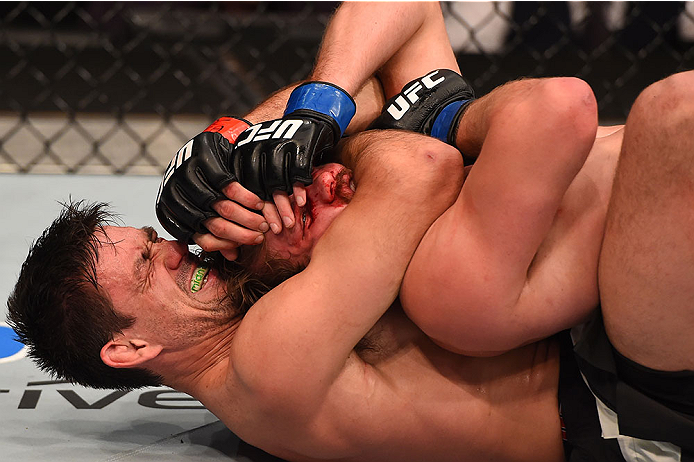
x: 118, y: 87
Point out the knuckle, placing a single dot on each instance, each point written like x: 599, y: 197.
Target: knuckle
x: 206, y: 245
x: 232, y: 189
x: 226, y: 209
x: 235, y: 189
x: 216, y: 226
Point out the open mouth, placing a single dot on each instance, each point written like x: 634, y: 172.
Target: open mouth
x: 199, y: 278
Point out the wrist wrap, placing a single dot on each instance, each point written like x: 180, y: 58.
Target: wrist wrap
x: 445, y: 126
x: 323, y: 98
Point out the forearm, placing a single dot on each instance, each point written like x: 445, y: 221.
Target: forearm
x: 476, y: 121
x: 427, y: 49
x: 272, y: 107
x: 306, y: 328
x: 363, y: 36
x: 402, y: 40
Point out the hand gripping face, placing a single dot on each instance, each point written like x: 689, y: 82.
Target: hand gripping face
x: 274, y: 155
x: 432, y: 105
x: 195, y: 177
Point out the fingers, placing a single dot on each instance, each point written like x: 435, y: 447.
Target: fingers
x: 284, y: 207
x: 276, y: 214
x: 237, y: 193
x: 299, y: 194
x: 210, y: 243
x: 227, y: 235
x: 273, y: 217
x: 281, y: 212
x: 236, y: 225
x: 240, y: 215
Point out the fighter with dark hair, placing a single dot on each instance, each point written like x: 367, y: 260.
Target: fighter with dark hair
x: 60, y: 274
x: 327, y: 365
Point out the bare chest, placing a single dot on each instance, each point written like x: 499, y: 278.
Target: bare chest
x: 459, y: 405
x: 399, y: 350
x: 398, y: 384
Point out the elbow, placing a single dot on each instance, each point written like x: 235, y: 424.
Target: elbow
x: 442, y: 168
x: 407, y: 165
x: 570, y: 108
x: 438, y: 157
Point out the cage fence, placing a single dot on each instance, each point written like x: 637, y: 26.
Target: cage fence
x: 118, y: 87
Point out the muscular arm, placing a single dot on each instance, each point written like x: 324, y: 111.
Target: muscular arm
x: 470, y: 274
x: 397, y: 41
x: 403, y: 40
x: 298, y: 339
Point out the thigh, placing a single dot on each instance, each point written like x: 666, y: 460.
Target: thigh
x: 647, y: 259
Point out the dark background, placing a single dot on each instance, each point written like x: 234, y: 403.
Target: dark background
x: 222, y: 58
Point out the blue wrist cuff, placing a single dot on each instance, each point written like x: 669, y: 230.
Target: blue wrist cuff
x: 324, y: 98
x: 442, y: 123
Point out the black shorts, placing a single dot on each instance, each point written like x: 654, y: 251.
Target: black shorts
x: 649, y: 404
x: 580, y: 423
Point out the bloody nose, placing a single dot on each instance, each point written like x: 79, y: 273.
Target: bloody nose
x: 325, y: 187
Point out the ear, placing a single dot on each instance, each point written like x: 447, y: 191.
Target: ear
x: 124, y: 351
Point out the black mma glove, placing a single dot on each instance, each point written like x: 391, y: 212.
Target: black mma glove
x: 432, y: 105
x: 195, y: 177
x: 272, y: 156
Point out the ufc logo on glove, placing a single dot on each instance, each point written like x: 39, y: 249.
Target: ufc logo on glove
x: 277, y: 129
x: 400, y: 106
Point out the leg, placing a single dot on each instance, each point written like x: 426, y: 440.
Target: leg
x: 647, y: 260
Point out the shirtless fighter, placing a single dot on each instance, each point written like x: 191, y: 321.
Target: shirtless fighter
x: 320, y: 368
x: 516, y: 257
x: 288, y: 361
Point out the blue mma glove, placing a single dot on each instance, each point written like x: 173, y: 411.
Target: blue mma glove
x: 272, y: 156
x: 431, y: 105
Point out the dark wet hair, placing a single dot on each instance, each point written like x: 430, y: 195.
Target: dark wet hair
x: 58, y: 309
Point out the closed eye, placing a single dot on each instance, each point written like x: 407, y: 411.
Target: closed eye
x: 147, y: 252
x: 151, y: 238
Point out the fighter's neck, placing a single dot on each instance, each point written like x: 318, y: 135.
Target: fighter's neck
x: 197, y: 367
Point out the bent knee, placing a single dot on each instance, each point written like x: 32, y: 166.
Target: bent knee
x: 666, y: 103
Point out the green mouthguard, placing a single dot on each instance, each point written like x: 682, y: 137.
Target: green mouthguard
x: 198, y: 278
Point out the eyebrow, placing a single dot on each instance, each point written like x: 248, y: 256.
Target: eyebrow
x: 150, y: 232
x: 140, y: 261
